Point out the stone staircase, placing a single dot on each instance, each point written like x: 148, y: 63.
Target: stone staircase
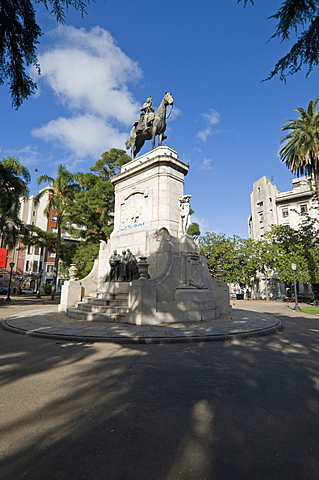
x: 101, y: 307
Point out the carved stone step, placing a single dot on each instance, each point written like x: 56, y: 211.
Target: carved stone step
x: 110, y: 296
x: 87, y: 307
x: 104, y: 302
x: 95, y: 316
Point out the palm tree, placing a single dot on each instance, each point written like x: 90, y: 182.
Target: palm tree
x: 14, y: 178
x: 61, y: 188
x: 301, y: 150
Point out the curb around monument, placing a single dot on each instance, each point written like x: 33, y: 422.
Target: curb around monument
x: 139, y: 339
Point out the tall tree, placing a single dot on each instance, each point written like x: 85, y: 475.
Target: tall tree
x: 94, y: 203
x: 296, y: 246
x: 19, y: 37
x: 293, y: 15
x: 14, y: 178
x: 301, y: 150
x: 62, y: 188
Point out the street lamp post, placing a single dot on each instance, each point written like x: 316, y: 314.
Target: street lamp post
x: 279, y: 293
x: 294, y: 268
x: 8, y: 299
x: 39, y: 283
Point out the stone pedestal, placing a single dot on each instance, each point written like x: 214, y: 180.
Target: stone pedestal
x: 147, y: 221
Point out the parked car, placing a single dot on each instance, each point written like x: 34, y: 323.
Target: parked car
x: 3, y: 291
x: 28, y: 291
x: 305, y: 298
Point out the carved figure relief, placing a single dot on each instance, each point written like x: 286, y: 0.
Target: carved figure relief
x: 134, y: 209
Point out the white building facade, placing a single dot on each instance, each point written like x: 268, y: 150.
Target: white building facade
x: 33, y: 266
x: 270, y: 206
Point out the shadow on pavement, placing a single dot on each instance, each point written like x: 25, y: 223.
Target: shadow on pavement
x: 235, y: 410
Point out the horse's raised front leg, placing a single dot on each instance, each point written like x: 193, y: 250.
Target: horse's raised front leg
x: 160, y: 139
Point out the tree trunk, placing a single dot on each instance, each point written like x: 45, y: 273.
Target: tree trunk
x: 315, y: 287
x: 316, y: 178
x: 56, y: 260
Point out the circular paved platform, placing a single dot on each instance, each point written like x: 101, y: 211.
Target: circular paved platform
x: 49, y: 323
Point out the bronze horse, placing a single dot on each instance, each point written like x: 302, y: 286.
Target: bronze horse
x: 137, y: 137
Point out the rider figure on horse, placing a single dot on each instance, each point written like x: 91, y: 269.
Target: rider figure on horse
x: 146, y: 116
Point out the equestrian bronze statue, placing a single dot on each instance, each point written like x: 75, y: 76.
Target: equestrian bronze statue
x: 149, y: 125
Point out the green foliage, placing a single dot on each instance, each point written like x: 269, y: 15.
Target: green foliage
x: 62, y: 191
x: 311, y: 310
x: 241, y: 259
x: 84, y: 256
x: 19, y: 37
x: 293, y: 15
x: 14, y: 178
x: 36, y: 237
x: 295, y: 246
x: 301, y: 150
x: 193, y: 229
x: 233, y: 254
x: 93, y: 203
x: 46, y: 289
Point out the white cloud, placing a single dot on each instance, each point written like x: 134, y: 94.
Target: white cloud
x: 207, y: 164
x: 84, y: 135
x: 90, y: 76
x: 211, y: 118
x: 28, y: 155
x: 204, y: 134
x: 87, y: 70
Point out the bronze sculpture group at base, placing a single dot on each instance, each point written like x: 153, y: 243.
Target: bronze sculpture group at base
x: 123, y: 267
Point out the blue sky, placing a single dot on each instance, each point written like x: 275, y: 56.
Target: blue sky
x: 211, y: 55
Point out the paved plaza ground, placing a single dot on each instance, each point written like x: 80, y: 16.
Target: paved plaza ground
x: 231, y: 410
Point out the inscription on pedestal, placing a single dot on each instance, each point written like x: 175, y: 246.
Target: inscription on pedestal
x: 134, y: 211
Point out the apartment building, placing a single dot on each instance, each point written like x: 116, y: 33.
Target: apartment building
x: 33, y: 266
x: 270, y: 206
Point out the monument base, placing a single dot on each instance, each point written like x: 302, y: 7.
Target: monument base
x: 149, y: 221
x: 180, y: 288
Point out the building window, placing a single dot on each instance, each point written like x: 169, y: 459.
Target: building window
x: 285, y: 212
x: 261, y: 217
x: 33, y: 214
x: 27, y: 265
x: 36, y: 250
x: 53, y: 229
x: 51, y: 254
x: 29, y: 251
x: 49, y: 268
x: 260, y: 204
x: 270, y: 200
x: 35, y: 266
x: 303, y: 209
x: 54, y: 218
x: 262, y: 231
